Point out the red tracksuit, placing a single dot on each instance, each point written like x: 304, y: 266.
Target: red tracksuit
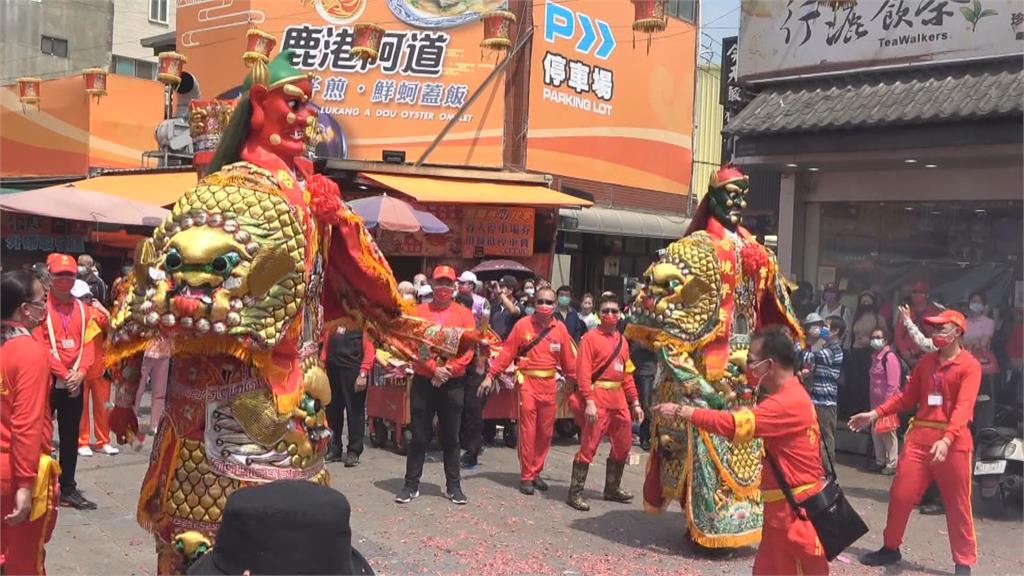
x: 538, y: 391
x: 787, y: 424
x: 944, y: 393
x: 95, y: 386
x: 25, y: 431
x: 613, y: 391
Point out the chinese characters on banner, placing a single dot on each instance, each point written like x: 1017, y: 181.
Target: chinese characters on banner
x: 497, y: 231
x: 28, y: 233
x: 603, y: 110
x: 804, y: 36
x: 732, y: 95
x: 424, y: 73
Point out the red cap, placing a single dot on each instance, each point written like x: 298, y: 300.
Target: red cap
x: 61, y: 263
x: 920, y: 288
x: 948, y: 317
x: 446, y: 272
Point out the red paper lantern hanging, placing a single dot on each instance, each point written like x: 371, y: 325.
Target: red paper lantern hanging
x: 258, y: 46
x: 171, y: 66
x: 648, y: 18
x: 95, y: 82
x: 366, y: 41
x: 497, y: 30
x: 29, y: 92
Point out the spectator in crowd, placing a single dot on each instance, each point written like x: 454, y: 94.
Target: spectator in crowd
x: 284, y: 527
x: 921, y: 307
x: 419, y: 280
x: 886, y: 380
x: 156, y: 370
x: 120, y: 285
x: 348, y: 356
x: 424, y: 294
x: 42, y: 272
x: 981, y: 328
x: 407, y: 290
x: 529, y: 288
x: 477, y: 304
x: 827, y: 349
x: 803, y: 299
x: 438, y: 389
x: 853, y: 397
x: 66, y: 331
x: 505, y: 308
x: 831, y: 305
x: 89, y: 272
x: 804, y: 357
x: 645, y: 361
x: 25, y: 427
x: 568, y: 315
x: 472, y: 426
x: 587, y: 314
x: 942, y: 391
x: 95, y: 387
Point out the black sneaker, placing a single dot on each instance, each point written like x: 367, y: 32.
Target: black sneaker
x: 334, y: 455
x: 468, y: 461
x: 962, y: 570
x: 456, y: 496
x: 74, y: 499
x: 645, y: 445
x: 873, y: 467
x: 881, y: 557
x: 540, y: 484
x: 406, y: 495
x: 526, y: 487
x: 351, y: 460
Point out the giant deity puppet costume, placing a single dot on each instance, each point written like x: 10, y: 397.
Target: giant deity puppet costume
x: 699, y: 304
x: 243, y: 278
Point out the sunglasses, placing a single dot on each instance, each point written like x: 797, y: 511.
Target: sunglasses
x: 549, y: 302
x: 610, y: 311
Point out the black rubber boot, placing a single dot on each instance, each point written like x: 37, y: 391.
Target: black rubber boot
x: 613, y: 482
x: 579, y: 480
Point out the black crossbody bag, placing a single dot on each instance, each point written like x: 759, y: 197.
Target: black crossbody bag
x: 836, y: 522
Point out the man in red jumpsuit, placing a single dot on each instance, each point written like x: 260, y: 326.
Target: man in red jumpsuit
x: 540, y: 343
x: 438, y: 388
x: 943, y: 386
x: 65, y: 331
x: 95, y: 386
x: 27, y: 473
x: 786, y: 422
x: 605, y: 376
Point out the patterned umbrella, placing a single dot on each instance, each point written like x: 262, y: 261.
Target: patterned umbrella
x: 390, y: 213
x: 490, y: 269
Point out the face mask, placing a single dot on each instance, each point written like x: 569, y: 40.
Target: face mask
x: 529, y: 291
x: 919, y: 299
x: 877, y: 343
x: 943, y: 340
x: 545, y: 310
x: 867, y: 305
x: 610, y: 320
x: 62, y: 283
x: 82, y: 270
x: 126, y: 270
x: 563, y: 301
x: 831, y: 297
x: 824, y: 333
x: 427, y: 300
x: 443, y: 295
x: 753, y: 379
x: 977, y: 307
x: 530, y: 310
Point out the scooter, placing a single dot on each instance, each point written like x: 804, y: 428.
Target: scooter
x: 999, y: 460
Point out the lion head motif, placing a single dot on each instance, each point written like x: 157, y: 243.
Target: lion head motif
x: 228, y: 261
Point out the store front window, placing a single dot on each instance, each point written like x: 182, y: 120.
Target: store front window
x: 956, y: 247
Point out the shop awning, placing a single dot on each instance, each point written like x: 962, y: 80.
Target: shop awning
x: 886, y: 98
x: 154, y: 188
x: 70, y: 202
x: 458, y: 191
x: 623, y: 223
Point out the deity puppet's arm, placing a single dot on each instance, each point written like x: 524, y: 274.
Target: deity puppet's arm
x: 124, y: 421
x: 695, y: 389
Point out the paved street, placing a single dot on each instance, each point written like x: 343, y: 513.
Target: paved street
x: 501, y: 531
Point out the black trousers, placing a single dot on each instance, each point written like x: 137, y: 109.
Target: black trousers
x: 645, y: 389
x: 471, y: 435
x: 345, y: 400
x: 69, y: 416
x: 426, y: 401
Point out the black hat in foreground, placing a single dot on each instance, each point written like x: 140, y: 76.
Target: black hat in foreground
x: 284, y: 527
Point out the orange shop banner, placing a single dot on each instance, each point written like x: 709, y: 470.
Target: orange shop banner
x: 497, y: 231
x: 603, y: 107
x: 428, y: 65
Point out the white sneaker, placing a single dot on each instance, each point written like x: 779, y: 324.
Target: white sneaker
x: 109, y: 450
x: 85, y: 451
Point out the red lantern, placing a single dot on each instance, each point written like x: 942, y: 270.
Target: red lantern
x: 497, y: 30
x: 366, y: 43
x: 29, y: 92
x: 207, y: 121
x: 95, y: 82
x: 258, y: 46
x: 171, y: 66
x: 649, y: 17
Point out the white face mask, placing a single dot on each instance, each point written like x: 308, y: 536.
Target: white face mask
x: 977, y: 307
x: 877, y: 343
x: 530, y: 291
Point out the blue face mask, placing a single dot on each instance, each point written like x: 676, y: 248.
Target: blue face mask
x: 824, y: 333
x: 563, y: 301
x: 529, y: 310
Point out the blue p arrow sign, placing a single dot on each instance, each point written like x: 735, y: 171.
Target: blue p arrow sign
x: 560, y: 22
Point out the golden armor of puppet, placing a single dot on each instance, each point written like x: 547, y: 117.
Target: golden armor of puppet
x: 243, y: 278
x: 698, y: 305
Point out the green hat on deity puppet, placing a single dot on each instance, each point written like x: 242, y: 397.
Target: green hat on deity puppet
x: 274, y: 99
